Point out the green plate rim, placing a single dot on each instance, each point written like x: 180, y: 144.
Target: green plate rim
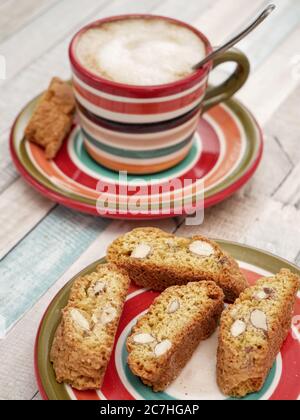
x: 48, y: 386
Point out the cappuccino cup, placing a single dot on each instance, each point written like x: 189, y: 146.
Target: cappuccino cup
x: 138, y: 98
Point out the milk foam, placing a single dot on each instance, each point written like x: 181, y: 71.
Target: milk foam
x: 140, y: 51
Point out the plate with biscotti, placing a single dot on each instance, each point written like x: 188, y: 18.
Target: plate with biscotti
x: 171, y: 318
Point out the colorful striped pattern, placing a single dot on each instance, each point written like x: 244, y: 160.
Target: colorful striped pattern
x: 226, y: 150
x: 102, y: 102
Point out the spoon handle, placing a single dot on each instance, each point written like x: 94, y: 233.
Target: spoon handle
x: 237, y: 38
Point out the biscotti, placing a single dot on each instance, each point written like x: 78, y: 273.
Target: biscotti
x: 85, y: 337
x: 155, y: 259
x: 252, y: 332
x: 53, y: 118
x: 163, y: 340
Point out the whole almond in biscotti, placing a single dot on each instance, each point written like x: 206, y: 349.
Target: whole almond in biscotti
x: 162, y: 348
x: 85, y: 337
x: 155, y: 259
x: 238, y: 328
x: 143, y: 338
x: 79, y: 319
x: 252, y: 332
x: 164, y: 339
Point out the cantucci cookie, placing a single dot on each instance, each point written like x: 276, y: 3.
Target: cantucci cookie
x: 252, y: 332
x: 157, y: 260
x: 163, y: 340
x: 85, y: 337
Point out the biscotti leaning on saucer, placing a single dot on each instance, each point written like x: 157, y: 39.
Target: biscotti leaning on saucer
x: 252, y: 332
x: 155, y: 259
x: 163, y: 340
x: 85, y: 337
x: 53, y: 118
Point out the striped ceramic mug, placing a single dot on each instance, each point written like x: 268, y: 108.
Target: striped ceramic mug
x: 147, y: 129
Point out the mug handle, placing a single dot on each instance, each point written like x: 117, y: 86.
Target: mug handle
x: 217, y: 94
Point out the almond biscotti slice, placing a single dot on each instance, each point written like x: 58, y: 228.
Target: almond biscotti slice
x: 155, y: 259
x: 252, y: 332
x: 53, y: 118
x: 163, y: 340
x: 85, y: 337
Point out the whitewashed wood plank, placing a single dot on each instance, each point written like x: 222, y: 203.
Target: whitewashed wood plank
x: 265, y: 39
x: 37, y: 397
x: 55, y: 25
x: 182, y: 10
x: 7, y: 169
x: 60, y: 23
x: 258, y: 221
x: 15, y: 14
x: 223, y: 18
x: 273, y: 170
x: 274, y: 81
x: 43, y: 256
x: 16, y: 368
x: 284, y: 125
x: 21, y: 208
x: 288, y: 191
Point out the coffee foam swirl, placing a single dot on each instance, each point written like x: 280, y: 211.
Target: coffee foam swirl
x: 140, y: 51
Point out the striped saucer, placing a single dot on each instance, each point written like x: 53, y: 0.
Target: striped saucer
x: 225, y: 153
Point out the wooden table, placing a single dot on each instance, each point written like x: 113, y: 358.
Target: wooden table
x: 42, y: 245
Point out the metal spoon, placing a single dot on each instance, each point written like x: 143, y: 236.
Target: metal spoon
x: 237, y: 38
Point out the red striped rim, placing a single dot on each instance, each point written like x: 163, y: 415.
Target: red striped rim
x: 203, y: 166
x: 131, y: 91
x: 140, y: 108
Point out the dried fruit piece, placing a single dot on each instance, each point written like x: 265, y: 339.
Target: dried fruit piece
x: 141, y: 251
x: 238, y: 328
x: 201, y: 248
x: 173, y: 306
x: 143, y: 338
x: 80, y: 320
x: 269, y: 292
x: 162, y: 348
x: 259, y: 320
